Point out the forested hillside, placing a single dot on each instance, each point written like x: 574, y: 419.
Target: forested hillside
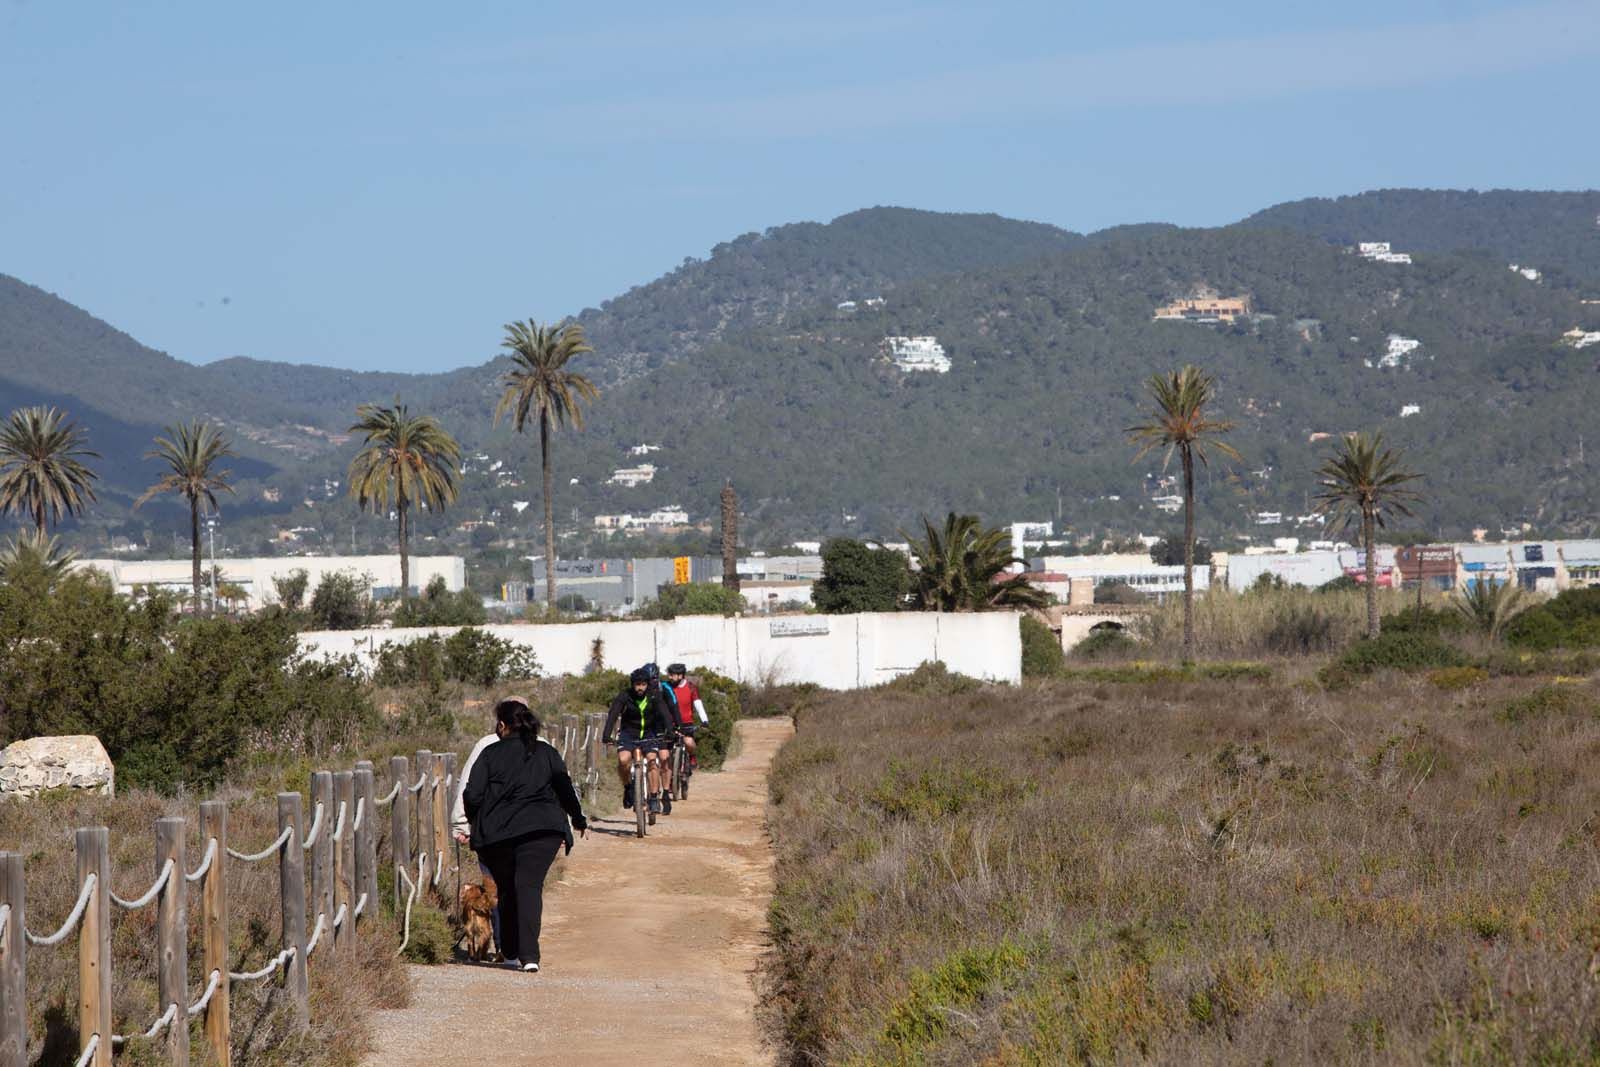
x: 1557, y: 233
x: 1050, y: 333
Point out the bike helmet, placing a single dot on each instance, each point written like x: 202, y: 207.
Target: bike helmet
x: 677, y: 668
x: 651, y: 671
x: 638, y: 677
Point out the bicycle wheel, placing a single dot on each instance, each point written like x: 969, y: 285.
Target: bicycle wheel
x: 641, y: 800
x: 680, y: 766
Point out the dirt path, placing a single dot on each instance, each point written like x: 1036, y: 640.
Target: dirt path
x: 649, y: 946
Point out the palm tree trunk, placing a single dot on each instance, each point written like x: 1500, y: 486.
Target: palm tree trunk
x: 1188, y: 554
x: 194, y: 548
x: 549, y: 514
x: 405, y: 559
x: 38, y: 519
x: 730, y: 537
x: 1368, y: 536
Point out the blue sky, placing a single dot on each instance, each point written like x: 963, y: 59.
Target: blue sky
x: 381, y: 186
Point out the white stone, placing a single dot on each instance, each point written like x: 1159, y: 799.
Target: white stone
x: 29, y: 767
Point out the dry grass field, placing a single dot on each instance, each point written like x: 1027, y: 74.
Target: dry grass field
x: 1403, y: 870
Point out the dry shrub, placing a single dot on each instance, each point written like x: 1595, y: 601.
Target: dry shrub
x: 1189, y: 871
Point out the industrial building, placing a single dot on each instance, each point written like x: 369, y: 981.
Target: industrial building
x: 255, y: 575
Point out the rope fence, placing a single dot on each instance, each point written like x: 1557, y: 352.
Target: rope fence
x: 343, y: 890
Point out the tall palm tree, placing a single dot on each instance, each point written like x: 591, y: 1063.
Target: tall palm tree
x: 408, y: 458
x: 191, y: 452
x: 1363, y: 481
x: 960, y: 567
x: 539, y: 381
x: 1179, y: 422
x: 40, y: 472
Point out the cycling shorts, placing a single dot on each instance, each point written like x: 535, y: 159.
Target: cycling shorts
x: 647, y: 743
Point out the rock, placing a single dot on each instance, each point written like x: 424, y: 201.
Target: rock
x: 29, y: 767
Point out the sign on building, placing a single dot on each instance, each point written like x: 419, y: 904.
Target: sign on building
x: 680, y: 570
x: 798, y: 626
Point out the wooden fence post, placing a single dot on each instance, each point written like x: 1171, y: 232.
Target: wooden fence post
x: 366, y: 842
x: 344, y: 863
x: 172, y: 933
x: 399, y: 827
x: 94, y: 945
x: 214, y: 928
x: 423, y: 841
x: 451, y: 848
x: 440, y: 837
x: 13, y: 964
x: 292, y: 890
x: 322, y: 854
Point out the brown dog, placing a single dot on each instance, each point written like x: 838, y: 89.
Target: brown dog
x: 477, y: 906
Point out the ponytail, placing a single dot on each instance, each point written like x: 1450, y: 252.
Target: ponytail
x: 519, y: 720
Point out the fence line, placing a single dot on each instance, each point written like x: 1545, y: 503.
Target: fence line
x: 343, y: 892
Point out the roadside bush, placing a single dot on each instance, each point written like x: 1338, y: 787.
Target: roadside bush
x: 1569, y: 620
x: 470, y: 656
x: 1041, y: 649
x: 342, y: 601
x: 932, y: 678
x: 1550, y: 701
x: 437, y: 606
x: 1451, y: 679
x: 721, y: 697
x: 693, y: 598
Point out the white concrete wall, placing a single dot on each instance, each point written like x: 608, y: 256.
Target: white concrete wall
x: 835, y: 651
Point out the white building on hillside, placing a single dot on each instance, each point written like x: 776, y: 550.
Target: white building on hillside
x: 643, y: 474
x: 918, y: 354
x: 1397, y: 351
x: 1381, y: 252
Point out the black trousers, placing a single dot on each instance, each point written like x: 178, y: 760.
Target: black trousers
x: 519, y: 868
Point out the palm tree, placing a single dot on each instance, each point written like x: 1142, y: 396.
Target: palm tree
x: 40, y: 472
x: 960, y: 568
x: 1363, y: 480
x: 409, y: 458
x: 1179, y: 422
x: 33, y: 553
x: 191, y: 452
x: 1488, y: 606
x: 539, y: 381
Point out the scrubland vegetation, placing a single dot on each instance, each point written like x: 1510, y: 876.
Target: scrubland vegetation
x: 1385, y: 854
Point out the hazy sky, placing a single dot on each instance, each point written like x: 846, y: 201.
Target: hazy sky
x: 381, y: 186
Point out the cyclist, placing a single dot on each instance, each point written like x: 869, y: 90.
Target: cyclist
x: 639, y: 723
x: 666, y: 693
x: 687, y: 700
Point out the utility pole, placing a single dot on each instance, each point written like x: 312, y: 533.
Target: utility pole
x: 211, y: 530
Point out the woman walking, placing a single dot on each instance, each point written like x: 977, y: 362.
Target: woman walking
x: 518, y: 799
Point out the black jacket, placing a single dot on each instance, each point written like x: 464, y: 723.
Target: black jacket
x: 623, y: 717
x: 515, y: 791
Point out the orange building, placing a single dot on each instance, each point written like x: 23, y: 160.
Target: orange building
x: 1205, y: 309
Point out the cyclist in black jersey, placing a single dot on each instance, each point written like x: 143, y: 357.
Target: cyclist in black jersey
x: 641, y: 726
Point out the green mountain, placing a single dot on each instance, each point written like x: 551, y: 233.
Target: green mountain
x: 1556, y: 233
x: 1050, y: 335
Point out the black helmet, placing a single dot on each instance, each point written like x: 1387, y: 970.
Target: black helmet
x: 639, y: 677
x: 651, y: 672
x: 677, y: 668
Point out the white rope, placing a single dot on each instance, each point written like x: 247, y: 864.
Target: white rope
x: 436, y: 781
x: 361, y: 815
x: 5, y: 916
x: 156, y: 1027
x: 149, y: 894
x: 282, y: 840
x: 422, y: 781
x: 316, y: 935
x: 254, y: 976
x: 205, y: 863
x: 422, y: 863
x: 211, y: 987
x: 338, y: 916
x: 388, y: 798
x: 361, y: 906
x: 338, y: 824
x: 438, y: 868
x: 88, y: 1050
x: 72, y: 920
x: 316, y: 826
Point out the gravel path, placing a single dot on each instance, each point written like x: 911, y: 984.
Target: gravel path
x: 649, y: 946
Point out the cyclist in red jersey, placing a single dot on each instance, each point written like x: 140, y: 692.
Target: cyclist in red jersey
x: 689, y: 706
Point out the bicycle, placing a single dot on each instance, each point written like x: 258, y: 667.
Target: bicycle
x: 643, y: 817
x: 681, y: 771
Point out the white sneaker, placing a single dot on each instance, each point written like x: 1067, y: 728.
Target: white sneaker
x: 530, y: 968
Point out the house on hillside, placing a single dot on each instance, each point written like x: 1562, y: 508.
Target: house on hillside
x: 1203, y: 309
x: 917, y: 354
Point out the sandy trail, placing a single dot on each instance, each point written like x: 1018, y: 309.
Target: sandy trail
x: 649, y: 946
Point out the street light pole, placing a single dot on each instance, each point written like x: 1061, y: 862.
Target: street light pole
x: 211, y: 530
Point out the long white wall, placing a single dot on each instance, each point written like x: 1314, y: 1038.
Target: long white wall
x: 835, y: 651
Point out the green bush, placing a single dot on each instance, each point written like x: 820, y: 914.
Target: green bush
x: 1550, y: 701
x: 1451, y: 679
x: 342, y: 602
x: 693, y: 598
x: 1041, y: 649
x: 857, y: 577
x: 932, y: 678
x: 437, y: 606
x: 1570, y: 620
x: 1300, y: 627
x: 1109, y: 643
x: 593, y: 691
x: 470, y: 656
x: 714, y: 741
x: 1400, y: 651
x: 172, y: 699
